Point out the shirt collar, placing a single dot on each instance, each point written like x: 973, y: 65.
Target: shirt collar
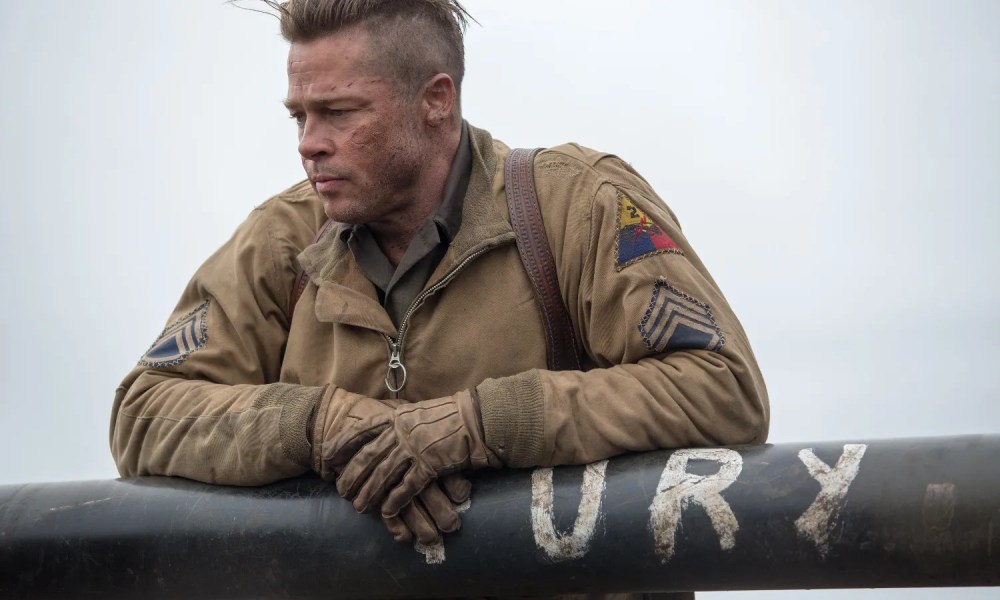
x: 448, y: 215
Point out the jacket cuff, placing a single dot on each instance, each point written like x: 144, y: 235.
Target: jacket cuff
x: 513, y: 410
x: 297, y: 404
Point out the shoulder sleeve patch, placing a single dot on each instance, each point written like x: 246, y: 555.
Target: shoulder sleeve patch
x: 638, y: 236
x: 676, y: 321
x: 179, y: 340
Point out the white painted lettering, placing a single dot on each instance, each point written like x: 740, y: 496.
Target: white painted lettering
x: 434, y: 553
x: 817, y: 523
x: 575, y: 544
x: 678, y: 489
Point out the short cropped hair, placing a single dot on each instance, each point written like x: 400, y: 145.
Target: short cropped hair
x: 413, y: 40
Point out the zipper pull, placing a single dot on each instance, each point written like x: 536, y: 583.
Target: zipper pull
x: 395, y: 364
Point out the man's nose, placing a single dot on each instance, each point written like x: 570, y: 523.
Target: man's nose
x: 313, y: 142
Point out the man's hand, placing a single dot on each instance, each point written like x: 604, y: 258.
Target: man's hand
x: 431, y: 513
x: 337, y: 420
x: 392, y: 458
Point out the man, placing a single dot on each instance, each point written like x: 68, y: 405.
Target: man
x: 416, y: 351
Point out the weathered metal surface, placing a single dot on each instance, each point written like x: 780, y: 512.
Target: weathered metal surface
x: 896, y: 513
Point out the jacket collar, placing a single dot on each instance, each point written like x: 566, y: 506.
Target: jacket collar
x: 484, y: 222
x: 347, y: 296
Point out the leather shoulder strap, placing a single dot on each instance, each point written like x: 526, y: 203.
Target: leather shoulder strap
x: 303, y: 279
x: 533, y: 246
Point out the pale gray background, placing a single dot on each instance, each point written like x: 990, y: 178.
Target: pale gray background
x: 836, y: 164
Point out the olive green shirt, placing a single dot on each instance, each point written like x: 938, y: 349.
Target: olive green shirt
x: 398, y: 287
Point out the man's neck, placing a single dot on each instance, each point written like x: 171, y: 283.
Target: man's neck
x: 394, y: 236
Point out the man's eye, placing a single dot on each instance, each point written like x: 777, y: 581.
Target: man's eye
x: 299, y: 119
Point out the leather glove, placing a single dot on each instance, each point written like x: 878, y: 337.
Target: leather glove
x: 336, y: 417
x: 432, y: 513
x: 408, y: 450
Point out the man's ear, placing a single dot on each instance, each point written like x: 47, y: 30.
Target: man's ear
x: 438, y: 100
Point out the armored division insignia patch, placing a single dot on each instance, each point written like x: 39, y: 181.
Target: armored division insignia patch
x: 676, y: 321
x: 179, y: 340
x: 638, y: 235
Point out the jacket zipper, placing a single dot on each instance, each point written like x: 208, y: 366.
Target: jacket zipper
x: 392, y: 379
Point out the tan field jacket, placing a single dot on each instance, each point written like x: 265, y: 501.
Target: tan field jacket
x: 225, y: 395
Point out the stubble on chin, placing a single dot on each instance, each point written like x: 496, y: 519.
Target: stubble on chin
x: 341, y: 210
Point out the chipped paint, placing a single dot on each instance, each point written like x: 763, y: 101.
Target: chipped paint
x: 939, y: 506
x: 679, y: 489
x: 819, y: 520
x: 575, y: 544
x: 82, y: 504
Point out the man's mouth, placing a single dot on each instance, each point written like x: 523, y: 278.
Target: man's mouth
x: 327, y: 183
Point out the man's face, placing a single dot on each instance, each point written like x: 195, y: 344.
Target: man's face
x: 361, y: 140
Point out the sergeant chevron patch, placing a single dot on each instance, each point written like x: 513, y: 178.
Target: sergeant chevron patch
x: 179, y: 340
x: 676, y: 321
x: 638, y: 235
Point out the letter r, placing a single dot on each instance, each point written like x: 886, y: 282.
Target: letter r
x: 678, y: 489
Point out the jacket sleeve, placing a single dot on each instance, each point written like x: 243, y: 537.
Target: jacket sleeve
x: 202, y: 402
x: 667, y: 364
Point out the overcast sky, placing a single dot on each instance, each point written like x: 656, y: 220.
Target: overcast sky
x: 835, y: 164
